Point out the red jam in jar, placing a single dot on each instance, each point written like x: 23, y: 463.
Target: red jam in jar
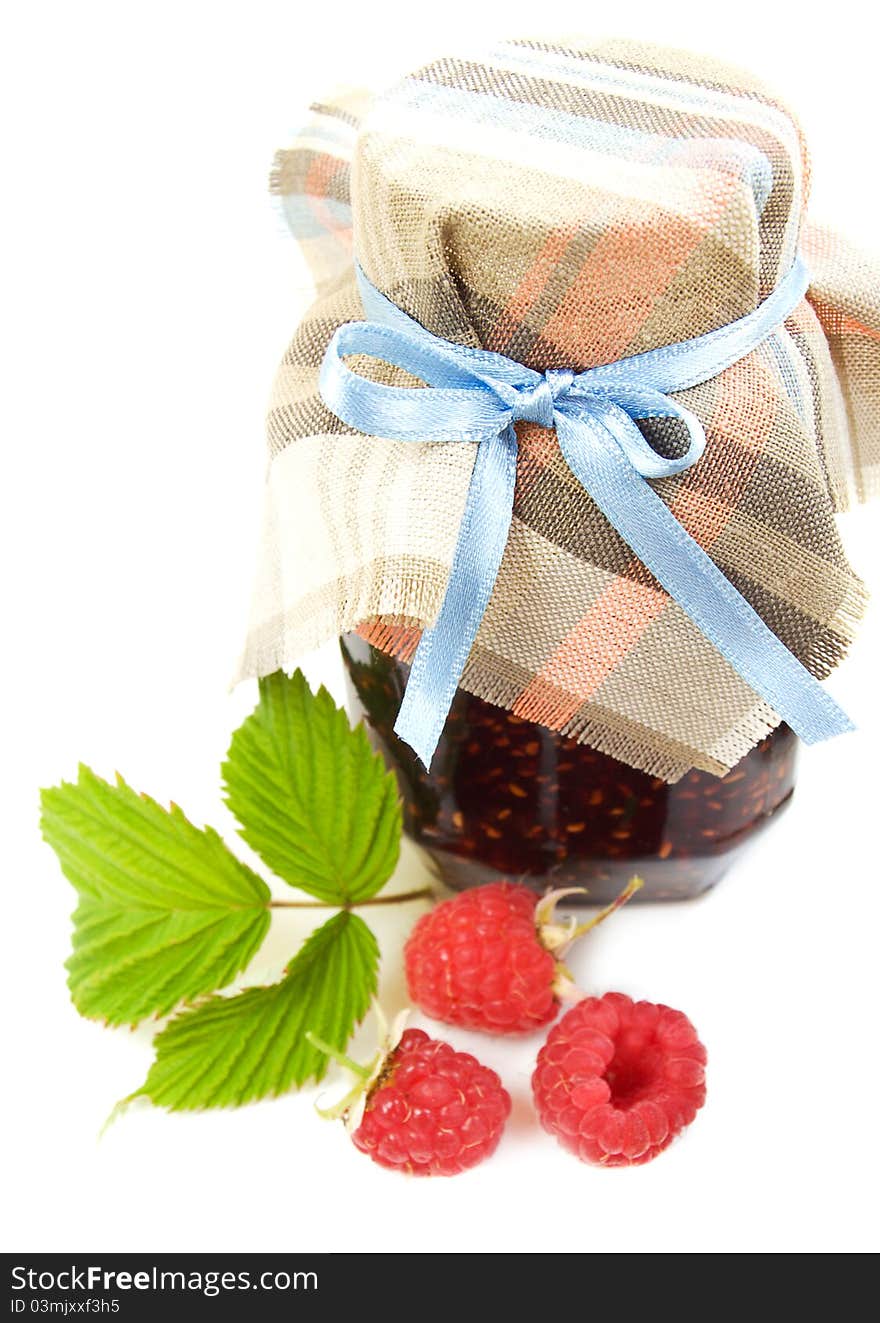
x: 507, y: 798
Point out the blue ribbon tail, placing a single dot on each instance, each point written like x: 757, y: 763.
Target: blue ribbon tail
x: 443, y: 650
x: 689, y: 575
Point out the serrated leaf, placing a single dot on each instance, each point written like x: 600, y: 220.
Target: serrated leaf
x: 313, y: 799
x: 234, y: 1050
x: 166, y: 913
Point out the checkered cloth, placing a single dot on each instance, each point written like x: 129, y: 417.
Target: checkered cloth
x: 568, y: 206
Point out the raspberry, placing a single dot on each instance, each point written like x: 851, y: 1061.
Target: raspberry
x: 617, y: 1080
x: 434, y: 1111
x: 424, y: 1108
x: 487, y: 959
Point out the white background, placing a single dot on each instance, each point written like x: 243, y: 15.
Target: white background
x: 148, y: 292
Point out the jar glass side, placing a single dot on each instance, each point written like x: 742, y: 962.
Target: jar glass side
x: 508, y: 798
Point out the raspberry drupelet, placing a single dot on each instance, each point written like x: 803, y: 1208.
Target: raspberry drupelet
x: 490, y: 958
x: 617, y: 1080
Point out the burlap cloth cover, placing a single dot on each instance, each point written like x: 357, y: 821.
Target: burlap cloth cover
x: 568, y: 206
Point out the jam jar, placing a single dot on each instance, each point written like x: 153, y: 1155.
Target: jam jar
x: 507, y: 798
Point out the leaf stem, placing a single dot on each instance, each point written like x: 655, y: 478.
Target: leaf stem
x: 397, y: 899
x: 362, y: 1071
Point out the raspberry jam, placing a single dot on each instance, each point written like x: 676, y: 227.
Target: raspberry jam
x: 507, y: 798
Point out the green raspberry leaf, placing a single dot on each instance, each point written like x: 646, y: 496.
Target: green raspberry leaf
x: 166, y: 913
x: 313, y: 799
x: 233, y: 1050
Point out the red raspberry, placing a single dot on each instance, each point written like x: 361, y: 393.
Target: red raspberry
x: 617, y: 1080
x: 420, y: 1106
x: 487, y: 959
x: 433, y: 1111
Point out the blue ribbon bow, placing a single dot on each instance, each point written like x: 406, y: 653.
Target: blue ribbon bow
x: 474, y: 395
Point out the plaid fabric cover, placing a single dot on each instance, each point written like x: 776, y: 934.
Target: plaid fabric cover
x: 568, y: 206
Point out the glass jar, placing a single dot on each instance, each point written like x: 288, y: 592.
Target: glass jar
x: 507, y: 798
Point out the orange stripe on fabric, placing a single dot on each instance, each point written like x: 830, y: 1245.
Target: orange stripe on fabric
x: 536, y: 445
x: 394, y: 640
x: 621, y: 280
x: 743, y: 410
x: 532, y: 284
x: 317, y: 182
x: 530, y: 288
x: 837, y: 322
x: 600, y: 640
x: 802, y: 318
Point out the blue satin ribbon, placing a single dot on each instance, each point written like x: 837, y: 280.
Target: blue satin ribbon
x: 474, y: 395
